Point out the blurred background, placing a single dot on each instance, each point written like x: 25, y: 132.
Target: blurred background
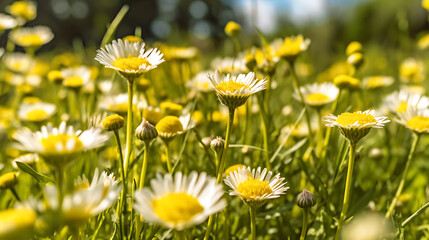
x: 330, y: 24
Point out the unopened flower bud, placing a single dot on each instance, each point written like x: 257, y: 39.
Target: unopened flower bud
x: 306, y: 199
x: 113, y: 122
x: 146, y: 131
x: 8, y: 180
x: 217, y: 144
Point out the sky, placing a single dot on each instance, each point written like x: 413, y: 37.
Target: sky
x: 297, y: 10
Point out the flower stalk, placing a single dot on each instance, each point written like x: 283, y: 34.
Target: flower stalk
x: 404, y: 175
x: 348, y: 188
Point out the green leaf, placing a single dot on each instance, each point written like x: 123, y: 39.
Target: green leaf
x: 262, y: 37
x: 38, y: 176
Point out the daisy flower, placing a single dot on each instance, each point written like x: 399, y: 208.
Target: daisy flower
x: 179, y: 53
x: 117, y: 104
x: 318, y: 94
x: 129, y: 59
x: 399, y: 101
x: 415, y: 119
x: 7, y: 22
x: 36, y: 112
x: 32, y: 37
x: 59, y: 146
x: 180, y: 202
x: 23, y: 10
x: 20, y: 63
x: 200, y: 82
x: 290, y: 47
x: 346, y: 82
x: 255, y: 186
x: 375, y: 82
x: 87, y: 200
x: 233, y: 91
x: 76, y: 77
x: 230, y: 65
x: 411, y: 70
x: 356, y: 125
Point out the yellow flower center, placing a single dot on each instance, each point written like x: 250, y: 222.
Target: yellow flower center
x: 152, y: 116
x: 231, y: 86
x: 169, y: 106
x: 31, y: 40
x: 317, y: 97
x: 350, y: 118
x: 119, y: 108
x: 16, y: 66
x: 252, y: 188
x: 403, y: 106
x: 36, y: 115
x: 130, y: 63
x: 132, y: 39
x: 344, y: 81
x: 375, y: 82
x: 419, y: 123
x: 22, y: 9
x: 177, y: 207
x: 17, y: 223
x: 113, y: 122
x: 8, y: 180
x: 51, y: 143
x: 31, y: 100
x: 81, y: 186
x: 169, y: 124
x: 73, y: 81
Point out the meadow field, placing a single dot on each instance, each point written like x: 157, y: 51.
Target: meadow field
x: 221, y: 131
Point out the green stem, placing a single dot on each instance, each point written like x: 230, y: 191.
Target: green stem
x: 226, y: 146
x: 252, y: 211
x: 319, y: 134
x: 167, y: 152
x: 415, y: 214
x: 264, y: 126
x: 347, y: 190
x: 216, y: 161
x: 60, y: 188
x: 301, y: 97
x: 15, y: 194
x: 222, y: 165
x: 304, y: 224
x: 129, y: 126
x: 122, y: 203
x: 404, y: 175
x: 144, y: 166
x: 329, y: 130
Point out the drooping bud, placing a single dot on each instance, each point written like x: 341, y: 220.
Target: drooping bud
x: 217, y: 145
x: 306, y: 199
x: 146, y: 131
